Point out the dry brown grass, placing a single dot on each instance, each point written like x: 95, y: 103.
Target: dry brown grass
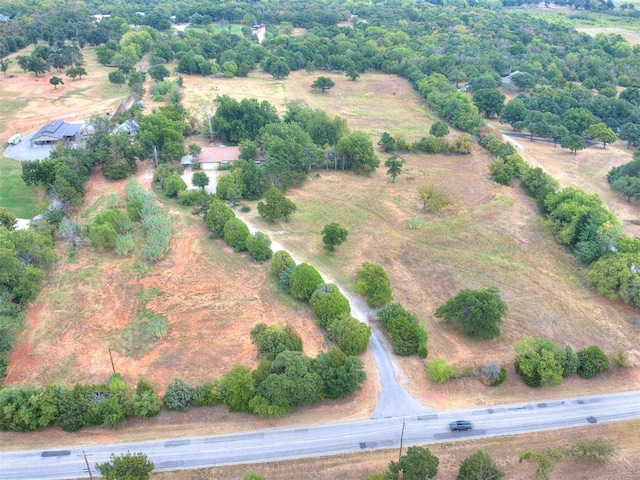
x: 28, y: 102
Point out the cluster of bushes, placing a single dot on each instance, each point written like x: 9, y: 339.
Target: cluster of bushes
x: 110, y: 230
x: 434, y: 143
x: 540, y: 362
x: 157, y: 227
x: 508, y: 163
x: 405, y: 334
x: 329, y: 305
x: 27, y: 408
x: 224, y: 224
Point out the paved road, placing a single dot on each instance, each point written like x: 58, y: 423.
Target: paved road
x: 321, y: 440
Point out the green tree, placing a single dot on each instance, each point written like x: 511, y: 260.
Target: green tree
x: 602, y: 133
x: 4, y: 65
x: 304, y: 280
x: 514, y: 112
x: 281, y: 260
x: 158, y: 72
x: 394, y: 167
x: 145, y: 401
x: 333, y: 235
x: 574, y: 143
x: 276, y: 205
x: 173, y: 185
x: 274, y: 339
x: 200, y: 180
x: 117, y: 78
x: 351, y: 335
x: 236, y: 233
x: 327, y: 303
x: 432, y: 198
x: 128, y: 466
x: 341, y: 375
x: 293, y: 381
x: 279, y: 69
x: 258, y: 246
x: 577, y: 120
x: 323, y: 84
x: 630, y: 133
x: 355, y: 152
x: 7, y: 219
x: 353, y: 74
x: 177, y: 396
x: 627, y: 186
x: 477, y: 312
x: 438, y: 370
x: 417, y: 464
x: 539, y: 361
x: 217, y: 216
x: 439, y: 129
x: 237, y: 388
x: 372, y: 283
x: 479, y: 466
x: 55, y: 81
x: 592, y: 361
x: 489, y: 101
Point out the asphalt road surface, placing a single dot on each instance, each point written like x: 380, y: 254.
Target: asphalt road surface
x: 321, y: 440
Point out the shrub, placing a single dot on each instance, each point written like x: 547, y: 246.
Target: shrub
x: 440, y: 371
x: 304, y: 280
x: 597, y: 450
x: 177, y: 396
x: 280, y: 261
x: 478, y: 313
x: 205, y: 395
x: 124, y: 244
x: 217, y: 217
x: 173, y: 185
x: 493, y: 375
x: 327, y: 303
x: 258, y: 247
x: 145, y: 401
x: 285, y: 279
x: 592, y: 362
x: 273, y: 339
x: 539, y: 361
x: 236, y: 233
x: 103, y: 236
x: 351, y: 335
x: 372, y: 283
x: 619, y: 359
x: 405, y: 333
x: 570, y: 363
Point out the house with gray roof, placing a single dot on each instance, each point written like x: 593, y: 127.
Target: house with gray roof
x: 56, y: 131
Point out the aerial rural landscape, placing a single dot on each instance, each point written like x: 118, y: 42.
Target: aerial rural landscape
x: 315, y: 239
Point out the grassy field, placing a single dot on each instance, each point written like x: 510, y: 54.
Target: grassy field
x: 19, y: 199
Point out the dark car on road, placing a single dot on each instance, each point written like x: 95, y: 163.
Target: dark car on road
x: 460, y: 426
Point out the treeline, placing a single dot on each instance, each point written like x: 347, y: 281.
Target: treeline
x: 580, y: 221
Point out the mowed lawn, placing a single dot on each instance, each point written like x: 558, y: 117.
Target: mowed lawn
x: 18, y: 198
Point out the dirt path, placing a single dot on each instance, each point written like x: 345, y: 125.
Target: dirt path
x: 393, y: 399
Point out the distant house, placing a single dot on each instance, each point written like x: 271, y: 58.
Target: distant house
x: 130, y: 127
x: 212, y: 157
x: 56, y: 131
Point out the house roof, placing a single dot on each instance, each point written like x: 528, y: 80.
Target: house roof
x: 219, y: 154
x: 129, y: 126
x: 58, y: 130
x: 186, y: 160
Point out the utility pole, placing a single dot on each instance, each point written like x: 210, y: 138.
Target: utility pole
x: 86, y: 460
x: 401, y: 438
x: 112, y: 365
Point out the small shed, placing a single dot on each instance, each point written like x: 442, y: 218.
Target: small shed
x: 56, y: 131
x: 186, y: 161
